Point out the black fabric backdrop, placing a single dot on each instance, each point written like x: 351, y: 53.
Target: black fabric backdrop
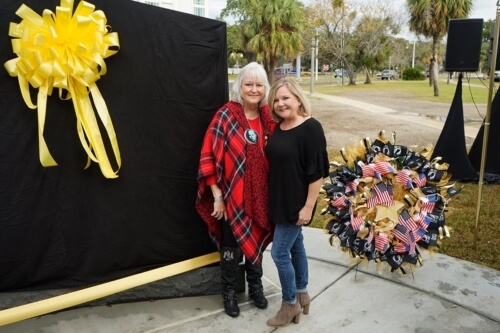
x: 451, y: 142
x: 64, y: 226
x: 492, y: 162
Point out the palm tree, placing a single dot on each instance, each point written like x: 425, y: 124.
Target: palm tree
x: 273, y: 30
x: 430, y: 18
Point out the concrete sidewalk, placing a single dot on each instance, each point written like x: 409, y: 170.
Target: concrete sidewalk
x: 444, y: 295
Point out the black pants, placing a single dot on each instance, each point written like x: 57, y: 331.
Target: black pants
x: 253, y: 271
x: 227, y: 235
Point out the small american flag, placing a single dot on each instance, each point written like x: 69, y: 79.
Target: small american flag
x: 356, y: 222
x: 420, y: 219
x: 383, y: 194
x: 371, y: 201
x: 418, y: 234
x: 383, y: 168
x: 381, y: 242
x: 340, y: 202
x: 369, y: 239
x: 402, y: 233
x: 352, y: 186
x: 368, y: 170
x: 405, y: 235
x: 427, y: 207
x: 420, y: 180
x: 406, y: 220
x: 403, y: 178
x: 401, y: 248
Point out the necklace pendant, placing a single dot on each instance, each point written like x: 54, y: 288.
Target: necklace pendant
x: 251, y: 136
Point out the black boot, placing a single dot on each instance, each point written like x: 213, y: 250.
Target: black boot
x: 255, y: 289
x: 229, y: 266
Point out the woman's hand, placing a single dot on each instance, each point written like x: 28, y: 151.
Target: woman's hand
x: 219, y: 210
x: 305, y: 215
x: 219, y: 207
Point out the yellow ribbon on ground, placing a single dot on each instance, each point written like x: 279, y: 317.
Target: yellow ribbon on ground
x: 85, y: 295
x: 66, y: 50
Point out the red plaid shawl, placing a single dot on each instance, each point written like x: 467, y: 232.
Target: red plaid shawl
x: 240, y: 168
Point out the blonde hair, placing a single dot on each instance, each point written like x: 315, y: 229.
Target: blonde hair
x: 251, y: 71
x: 296, y: 90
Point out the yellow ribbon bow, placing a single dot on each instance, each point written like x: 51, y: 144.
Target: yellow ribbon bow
x: 66, y: 50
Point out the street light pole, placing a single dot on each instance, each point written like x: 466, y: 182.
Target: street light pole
x: 413, y: 57
x: 297, y: 67
x: 313, y: 46
x: 238, y: 56
x: 316, y: 53
x: 342, y: 49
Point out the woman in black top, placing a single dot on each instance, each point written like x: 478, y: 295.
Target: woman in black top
x: 298, y: 162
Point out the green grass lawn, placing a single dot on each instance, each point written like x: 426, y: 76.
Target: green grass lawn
x: 474, y: 90
x: 473, y: 93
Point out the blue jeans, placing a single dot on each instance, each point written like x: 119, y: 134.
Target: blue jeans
x: 289, y: 255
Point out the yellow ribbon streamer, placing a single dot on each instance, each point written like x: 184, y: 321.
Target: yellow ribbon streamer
x: 57, y: 303
x: 66, y: 50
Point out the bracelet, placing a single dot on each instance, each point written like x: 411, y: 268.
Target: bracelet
x: 217, y: 199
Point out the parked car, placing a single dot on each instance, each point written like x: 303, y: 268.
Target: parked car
x: 279, y: 73
x: 496, y: 76
x: 341, y: 73
x: 388, y: 74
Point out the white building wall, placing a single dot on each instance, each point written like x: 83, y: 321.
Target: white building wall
x: 195, y: 7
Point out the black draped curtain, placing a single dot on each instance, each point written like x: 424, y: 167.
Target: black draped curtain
x: 451, y: 142
x: 492, y: 161
x: 65, y: 226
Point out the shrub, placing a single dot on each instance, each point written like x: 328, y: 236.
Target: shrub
x: 413, y: 74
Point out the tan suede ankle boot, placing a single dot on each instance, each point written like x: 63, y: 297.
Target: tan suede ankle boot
x: 304, y: 301
x: 286, y: 314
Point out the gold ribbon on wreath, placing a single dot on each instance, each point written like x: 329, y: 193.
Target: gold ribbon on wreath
x: 66, y: 50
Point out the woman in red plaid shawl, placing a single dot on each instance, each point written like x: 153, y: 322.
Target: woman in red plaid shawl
x: 232, y: 184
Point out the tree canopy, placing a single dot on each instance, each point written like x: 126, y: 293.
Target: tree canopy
x: 270, y: 29
x: 357, y: 37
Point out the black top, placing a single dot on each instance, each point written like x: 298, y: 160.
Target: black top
x: 297, y: 157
